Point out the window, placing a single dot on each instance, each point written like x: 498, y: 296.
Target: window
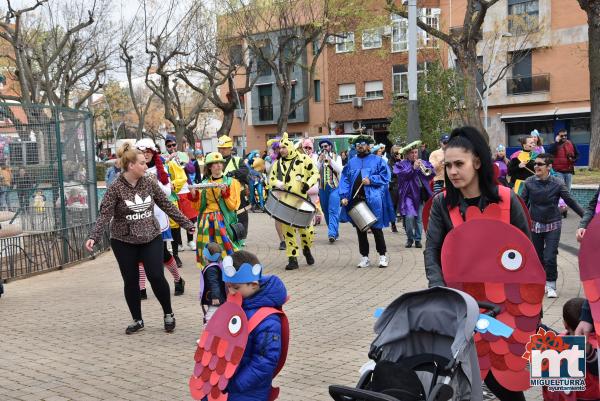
x: 265, y: 102
x: 523, y: 15
x: 262, y: 67
x: 344, y: 42
x: 289, y: 53
x: 400, y: 77
x: 515, y: 130
x: 236, y: 55
x: 399, y: 33
x: 317, y: 90
x: 580, y: 130
x: 346, y: 92
x: 430, y: 16
x: 374, y: 89
x: 316, y: 45
x: 521, y: 81
x: 371, y: 39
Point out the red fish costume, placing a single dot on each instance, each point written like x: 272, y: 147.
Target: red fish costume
x: 495, y: 262
x: 589, y: 268
x: 222, y: 345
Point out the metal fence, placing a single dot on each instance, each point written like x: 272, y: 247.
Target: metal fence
x: 48, y: 198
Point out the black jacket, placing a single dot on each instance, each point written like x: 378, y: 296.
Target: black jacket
x: 518, y: 173
x: 590, y: 211
x: 214, y: 287
x: 541, y: 196
x: 440, y: 224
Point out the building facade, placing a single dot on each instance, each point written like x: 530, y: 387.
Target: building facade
x: 368, y: 70
x: 262, y: 104
x: 360, y: 74
x: 547, y: 89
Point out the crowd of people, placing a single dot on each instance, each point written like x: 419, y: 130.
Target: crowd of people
x: 424, y: 192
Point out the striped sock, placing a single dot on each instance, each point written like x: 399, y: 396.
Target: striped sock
x: 142, y: 276
x: 171, y: 265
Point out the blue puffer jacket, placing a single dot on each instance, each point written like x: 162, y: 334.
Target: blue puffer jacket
x: 252, y: 381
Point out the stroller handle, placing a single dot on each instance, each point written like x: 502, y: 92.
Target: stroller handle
x: 492, y: 309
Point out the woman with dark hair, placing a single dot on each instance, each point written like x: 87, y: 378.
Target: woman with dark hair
x: 469, y: 181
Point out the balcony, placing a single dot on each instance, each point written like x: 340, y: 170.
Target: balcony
x: 265, y: 113
x: 527, y: 85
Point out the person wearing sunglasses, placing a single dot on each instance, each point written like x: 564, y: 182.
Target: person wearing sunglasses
x: 366, y: 178
x: 565, y: 155
x: 541, y: 193
x: 330, y: 168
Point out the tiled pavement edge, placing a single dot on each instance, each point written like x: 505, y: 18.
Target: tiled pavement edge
x: 62, y: 333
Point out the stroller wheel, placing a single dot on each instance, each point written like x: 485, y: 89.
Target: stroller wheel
x: 440, y: 392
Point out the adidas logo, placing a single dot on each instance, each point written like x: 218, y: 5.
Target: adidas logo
x: 139, y: 206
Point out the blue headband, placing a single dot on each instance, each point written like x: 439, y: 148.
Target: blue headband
x: 211, y: 257
x: 245, y: 274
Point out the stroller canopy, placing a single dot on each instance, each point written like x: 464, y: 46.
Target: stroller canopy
x: 440, y: 310
x: 439, y: 321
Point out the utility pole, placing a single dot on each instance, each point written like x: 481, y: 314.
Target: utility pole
x: 414, y: 129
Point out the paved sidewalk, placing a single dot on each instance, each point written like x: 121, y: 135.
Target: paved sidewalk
x: 63, y: 332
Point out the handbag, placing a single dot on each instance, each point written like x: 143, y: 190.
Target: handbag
x: 237, y: 229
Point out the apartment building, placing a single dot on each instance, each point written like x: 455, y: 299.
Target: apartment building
x: 262, y: 103
x: 548, y: 87
x: 369, y: 69
x: 360, y: 74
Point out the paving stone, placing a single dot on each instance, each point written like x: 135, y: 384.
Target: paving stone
x: 63, y: 335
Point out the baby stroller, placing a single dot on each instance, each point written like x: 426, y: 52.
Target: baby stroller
x: 424, y: 350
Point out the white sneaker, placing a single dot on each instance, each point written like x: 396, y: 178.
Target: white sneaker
x: 181, y: 248
x: 551, y: 293
x: 364, y: 262
x: 383, y: 261
x: 192, y: 246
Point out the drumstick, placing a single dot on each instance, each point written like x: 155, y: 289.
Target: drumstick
x: 358, y: 190
x: 528, y: 169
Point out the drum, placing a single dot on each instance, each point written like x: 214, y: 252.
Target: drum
x: 289, y: 208
x: 362, y: 216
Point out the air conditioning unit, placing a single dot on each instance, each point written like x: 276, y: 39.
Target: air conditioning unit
x: 238, y: 113
x: 24, y: 153
x: 357, y: 102
x: 386, y: 31
x: 356, y: 125
x: 332, y: 40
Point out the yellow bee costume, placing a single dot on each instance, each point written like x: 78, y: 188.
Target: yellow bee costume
x: 295, y: 173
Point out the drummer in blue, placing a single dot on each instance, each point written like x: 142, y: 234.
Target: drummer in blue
x: 366, y: 177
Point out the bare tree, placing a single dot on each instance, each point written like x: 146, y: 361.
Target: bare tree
x: 172, y: 50
x: 279, y: 33
x: 592, y: 8
x: 60, y: 50
x: 463, y: 41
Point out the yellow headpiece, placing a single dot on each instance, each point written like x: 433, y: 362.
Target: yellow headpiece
x: 225, y: 142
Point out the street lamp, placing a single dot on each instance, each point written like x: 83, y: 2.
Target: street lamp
x: 484, y: 101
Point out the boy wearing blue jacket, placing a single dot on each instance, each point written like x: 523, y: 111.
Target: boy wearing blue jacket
x: 253, y: 378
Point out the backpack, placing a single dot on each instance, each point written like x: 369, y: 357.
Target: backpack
x: 260, y: 315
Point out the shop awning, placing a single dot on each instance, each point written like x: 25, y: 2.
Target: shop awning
x: 545, y: 115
